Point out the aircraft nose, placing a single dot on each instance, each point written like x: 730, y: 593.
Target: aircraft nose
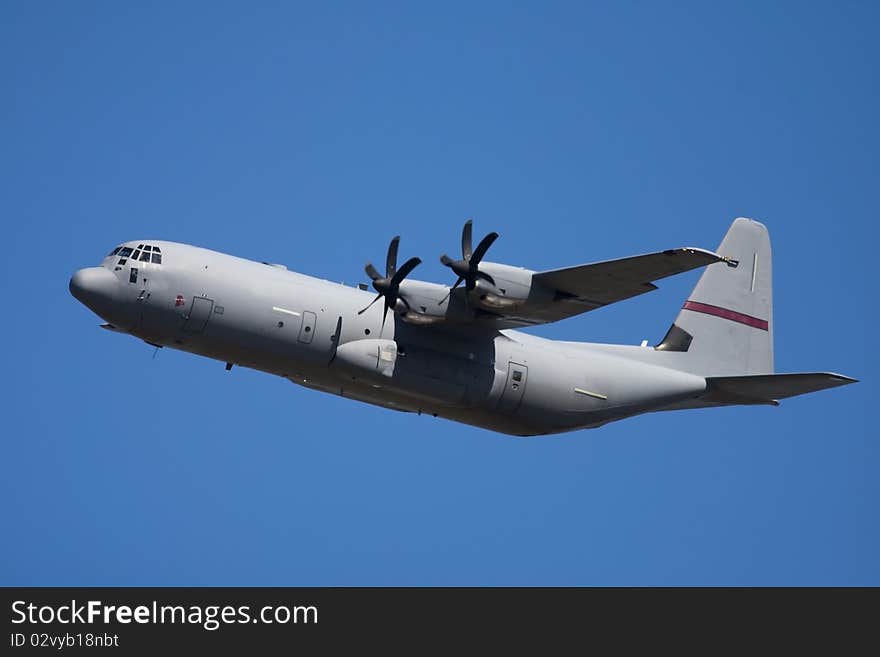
x: 94, y: 287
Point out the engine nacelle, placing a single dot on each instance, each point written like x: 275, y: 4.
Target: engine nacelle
x: 369, y: 357
x: 513, y: 287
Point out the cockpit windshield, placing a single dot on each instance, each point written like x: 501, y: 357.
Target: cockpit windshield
x: 143, y: 253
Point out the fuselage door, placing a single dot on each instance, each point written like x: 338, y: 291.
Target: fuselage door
x: 137, y: 290
x: 307, y: 330
x: 198, y: 315
x: 143, y: 289
x: 513, y: 388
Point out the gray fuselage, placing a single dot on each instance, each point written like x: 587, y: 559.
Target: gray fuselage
x: 309, y: 331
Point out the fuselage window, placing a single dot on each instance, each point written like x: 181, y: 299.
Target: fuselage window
x: 157, y: 249
x: 148, y: 248
x: 133, y: 276
x: 157, y: 258
x: 136, y: 254
x: 140, y: 246
x: 115, y: 251
x: 145, y: 257
x: 125, y: 252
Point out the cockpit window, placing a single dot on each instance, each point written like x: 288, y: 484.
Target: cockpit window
x: 143, y: 253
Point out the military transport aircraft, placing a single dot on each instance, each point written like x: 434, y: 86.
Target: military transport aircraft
x: 453, y: 352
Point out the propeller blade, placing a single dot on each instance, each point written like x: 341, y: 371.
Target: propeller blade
x: 403, y: 272
x: 377, y: 297
x: 448, y: 294
x: 466, y: 234
x: 337, y: 336
x: 372, y: 272
x: 486, y: 277
x: 384, y: 314
x: 446, y: 260
x: 391, y: 258
x: 482, y: 247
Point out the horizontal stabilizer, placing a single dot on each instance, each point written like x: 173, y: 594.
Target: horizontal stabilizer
x: 769, y: 388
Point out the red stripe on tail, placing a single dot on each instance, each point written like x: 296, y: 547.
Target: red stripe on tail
x: 724, y: 313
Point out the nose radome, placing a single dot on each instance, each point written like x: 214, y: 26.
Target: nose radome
x: 95, y: 287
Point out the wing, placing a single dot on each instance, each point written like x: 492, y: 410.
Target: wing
x: 584, y: 288
x: 519, y: 297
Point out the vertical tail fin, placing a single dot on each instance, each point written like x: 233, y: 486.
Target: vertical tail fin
x: 726, y: 324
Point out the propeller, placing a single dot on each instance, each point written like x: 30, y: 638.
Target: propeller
x: 467, y: 268
x: 388, y: 286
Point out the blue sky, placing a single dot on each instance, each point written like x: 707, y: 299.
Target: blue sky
x: 311, y: 133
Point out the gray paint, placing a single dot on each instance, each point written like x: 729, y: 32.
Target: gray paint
x: 461, y: 365
x: 720, y: 346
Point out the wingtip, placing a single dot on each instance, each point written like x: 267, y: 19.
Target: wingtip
x: 695, y: 250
